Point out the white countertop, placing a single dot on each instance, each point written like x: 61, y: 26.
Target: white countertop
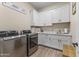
x: 52, y: 33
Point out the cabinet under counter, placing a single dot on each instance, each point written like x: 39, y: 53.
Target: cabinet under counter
x: 54, y: 40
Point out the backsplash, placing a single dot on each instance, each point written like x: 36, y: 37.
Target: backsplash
x: 48, y: 28
x: 56, y: 27
x: 61, y: 25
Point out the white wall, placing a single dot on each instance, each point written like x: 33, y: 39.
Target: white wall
x: 75, y: 26
x: 13, y: 20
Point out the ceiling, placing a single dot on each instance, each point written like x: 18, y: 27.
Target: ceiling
x: 40, y: 5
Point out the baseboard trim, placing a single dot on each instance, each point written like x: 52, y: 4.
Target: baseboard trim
x: 50, y: 47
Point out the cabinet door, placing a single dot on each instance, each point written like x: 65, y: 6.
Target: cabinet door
x: 45, y: 18
x: 64, y: 40
x: 36, y: 18
x: 53, y: 41
x: 46, y: 40
x: 64, y: 15
x: 60, y: 42
x: 60, y: 14
x: 54, y: 15
x: 43, y: 39
x: 40, y: 39
x: 67, y: 40
x: 41, y: 17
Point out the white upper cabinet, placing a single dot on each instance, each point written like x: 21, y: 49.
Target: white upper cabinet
x: 45, y: 18
x: 35, y: 16
x: 61, y: 14
x: 54, y: 15
x: 64, y: 14
x: 41, y: 18
x: 58, y: 15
